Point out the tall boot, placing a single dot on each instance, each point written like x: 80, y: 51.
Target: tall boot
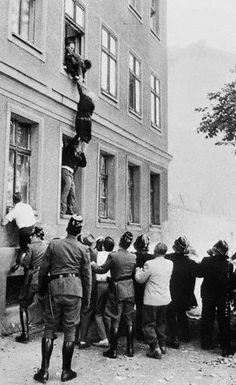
x: 47, y: 347
x: 67, y: 353
x: 24, y: 320
x: 112, y: 351
x: 130, y: 341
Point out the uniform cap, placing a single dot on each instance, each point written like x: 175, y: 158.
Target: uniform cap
x: 87, y: 239
x: 221, y: 247
x: 126, y: 239
x: 74, y: 225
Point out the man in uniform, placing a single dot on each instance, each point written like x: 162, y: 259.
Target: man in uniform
x: 66, y: 271
x: 120, y: 301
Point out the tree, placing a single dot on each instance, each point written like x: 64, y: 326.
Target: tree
x: 219, y: 118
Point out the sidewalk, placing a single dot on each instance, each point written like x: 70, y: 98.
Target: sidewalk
x: 187, y: 366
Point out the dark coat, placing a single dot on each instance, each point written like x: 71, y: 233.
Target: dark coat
x: 216, y: 272
x: 182, y: 282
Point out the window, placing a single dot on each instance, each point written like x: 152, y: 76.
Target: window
x: 134, y: 84
x: 106, y: 187
x: 75, y: 25
x: 155, y: 199
x: 155, y: 102
x: 154, y: 16
x: 19, y: 161
x: 133, y: 194
x: 109, y: 63
x: 27, y: 20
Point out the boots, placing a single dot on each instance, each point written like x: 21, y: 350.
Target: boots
x: 24, y: 320
x: 67, y: 353
x: 112, y: 351
x: 47, y: 346
x: 130, y: 341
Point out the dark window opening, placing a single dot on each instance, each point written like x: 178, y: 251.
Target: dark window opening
x: 14, y: 285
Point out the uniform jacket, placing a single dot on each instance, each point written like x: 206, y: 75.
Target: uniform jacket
x: 65, y: 256
x: 217, y: 274
x: 33, y: 258
x: 156, y: 273
x: 121, y: 264
x: 182, y: 282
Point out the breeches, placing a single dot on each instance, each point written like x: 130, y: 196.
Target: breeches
x: 65, y: 309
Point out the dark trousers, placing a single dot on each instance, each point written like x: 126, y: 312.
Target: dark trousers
x: 209, y: 309
x: 177, y: 321
x: 154, y: 324
x: 67, y: 192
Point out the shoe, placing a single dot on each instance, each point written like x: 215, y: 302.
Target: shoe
x: 174, y: 343
x: 23, y: 338
x: 110, y: 353
x: 102, y: 343
x: 83, y: 345
x: 68, y: 375
x: 155, y: 353
x: 227, y: 352
x: 163, y: 349
x: 41, y: 376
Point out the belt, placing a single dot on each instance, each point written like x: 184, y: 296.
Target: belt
x: 56, y: 276
x: 68, y: 169
x: 126, y: 278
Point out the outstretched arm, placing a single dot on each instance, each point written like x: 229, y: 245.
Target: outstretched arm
x: 80, y: 89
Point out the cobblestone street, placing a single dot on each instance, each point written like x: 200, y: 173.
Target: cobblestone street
x: 187, y: 366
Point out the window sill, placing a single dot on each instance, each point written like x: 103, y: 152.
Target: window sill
x: 26, y: 45
x: 135, y: 12
x: 134, y: 225
x: 155, y: 35
x: 109, y: 98
x: 106, y: 223
x: 135, y: 115
x: 154, y: 227
x: 156, y: 129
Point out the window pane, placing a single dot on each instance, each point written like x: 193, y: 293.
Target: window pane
x: 131, y: 90
x: 137, y: 96
x: 69, y: 8
x: 131, y: 62
x: 22, y: 136
x: 153, y: 108
x: 112, y: 45
x: 10, y: 180
x: 79, y: 16
x: 157, y: 88
x: 131, y: 195
x: 104, y: 71
x: 112, y: 77
x: 105, y: 38
x: 157, y: 111
x: 15, y: 15
x: 137, y: 68
x: 12, y: 133
x: 22, y: 176
x: 152, y: 82
x: 25, y: 19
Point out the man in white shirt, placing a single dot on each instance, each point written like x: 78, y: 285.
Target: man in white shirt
x: 23, y: 215
x: 156, y: 273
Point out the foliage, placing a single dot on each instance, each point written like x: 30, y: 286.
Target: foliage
x: 219, y: 118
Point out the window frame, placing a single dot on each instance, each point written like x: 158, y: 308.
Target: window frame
x: 133, y: 163
x: 156, y: 11
x: 25, y: 114
x: 137, y: 11
x: 132, y: 110
x: 107, y: 151
x: 155, y: 172
x: 79, y: 35
x: 156, y: 95
x: 37, y: 48
x: 110, y: 56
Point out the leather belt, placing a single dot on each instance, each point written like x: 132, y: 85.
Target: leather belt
x: 56, y: 276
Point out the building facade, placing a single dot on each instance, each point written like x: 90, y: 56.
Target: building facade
x: 124, y: 186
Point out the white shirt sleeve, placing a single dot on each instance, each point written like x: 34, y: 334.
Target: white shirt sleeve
x: 141, y: 275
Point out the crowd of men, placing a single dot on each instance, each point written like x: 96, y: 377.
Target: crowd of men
x: 79, y: 277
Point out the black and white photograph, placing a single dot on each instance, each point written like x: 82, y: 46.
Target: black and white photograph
x: 118, y: 192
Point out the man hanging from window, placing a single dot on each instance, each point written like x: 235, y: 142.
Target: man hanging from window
x: 83, y: 123
x: 71, y: 160
x: 23, y: 215
x: 74, y: 64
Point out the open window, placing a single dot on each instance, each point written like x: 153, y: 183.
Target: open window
x: 133, y: 194
x: 106, y: 203
x: 155, y: 199
x: 75, y: 25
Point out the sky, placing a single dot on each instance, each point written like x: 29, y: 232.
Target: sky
x: 211, y: 20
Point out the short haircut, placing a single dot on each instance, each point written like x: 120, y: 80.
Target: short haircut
x: 88, y: 64
x: 17, y: 197
x: 109, y: 244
